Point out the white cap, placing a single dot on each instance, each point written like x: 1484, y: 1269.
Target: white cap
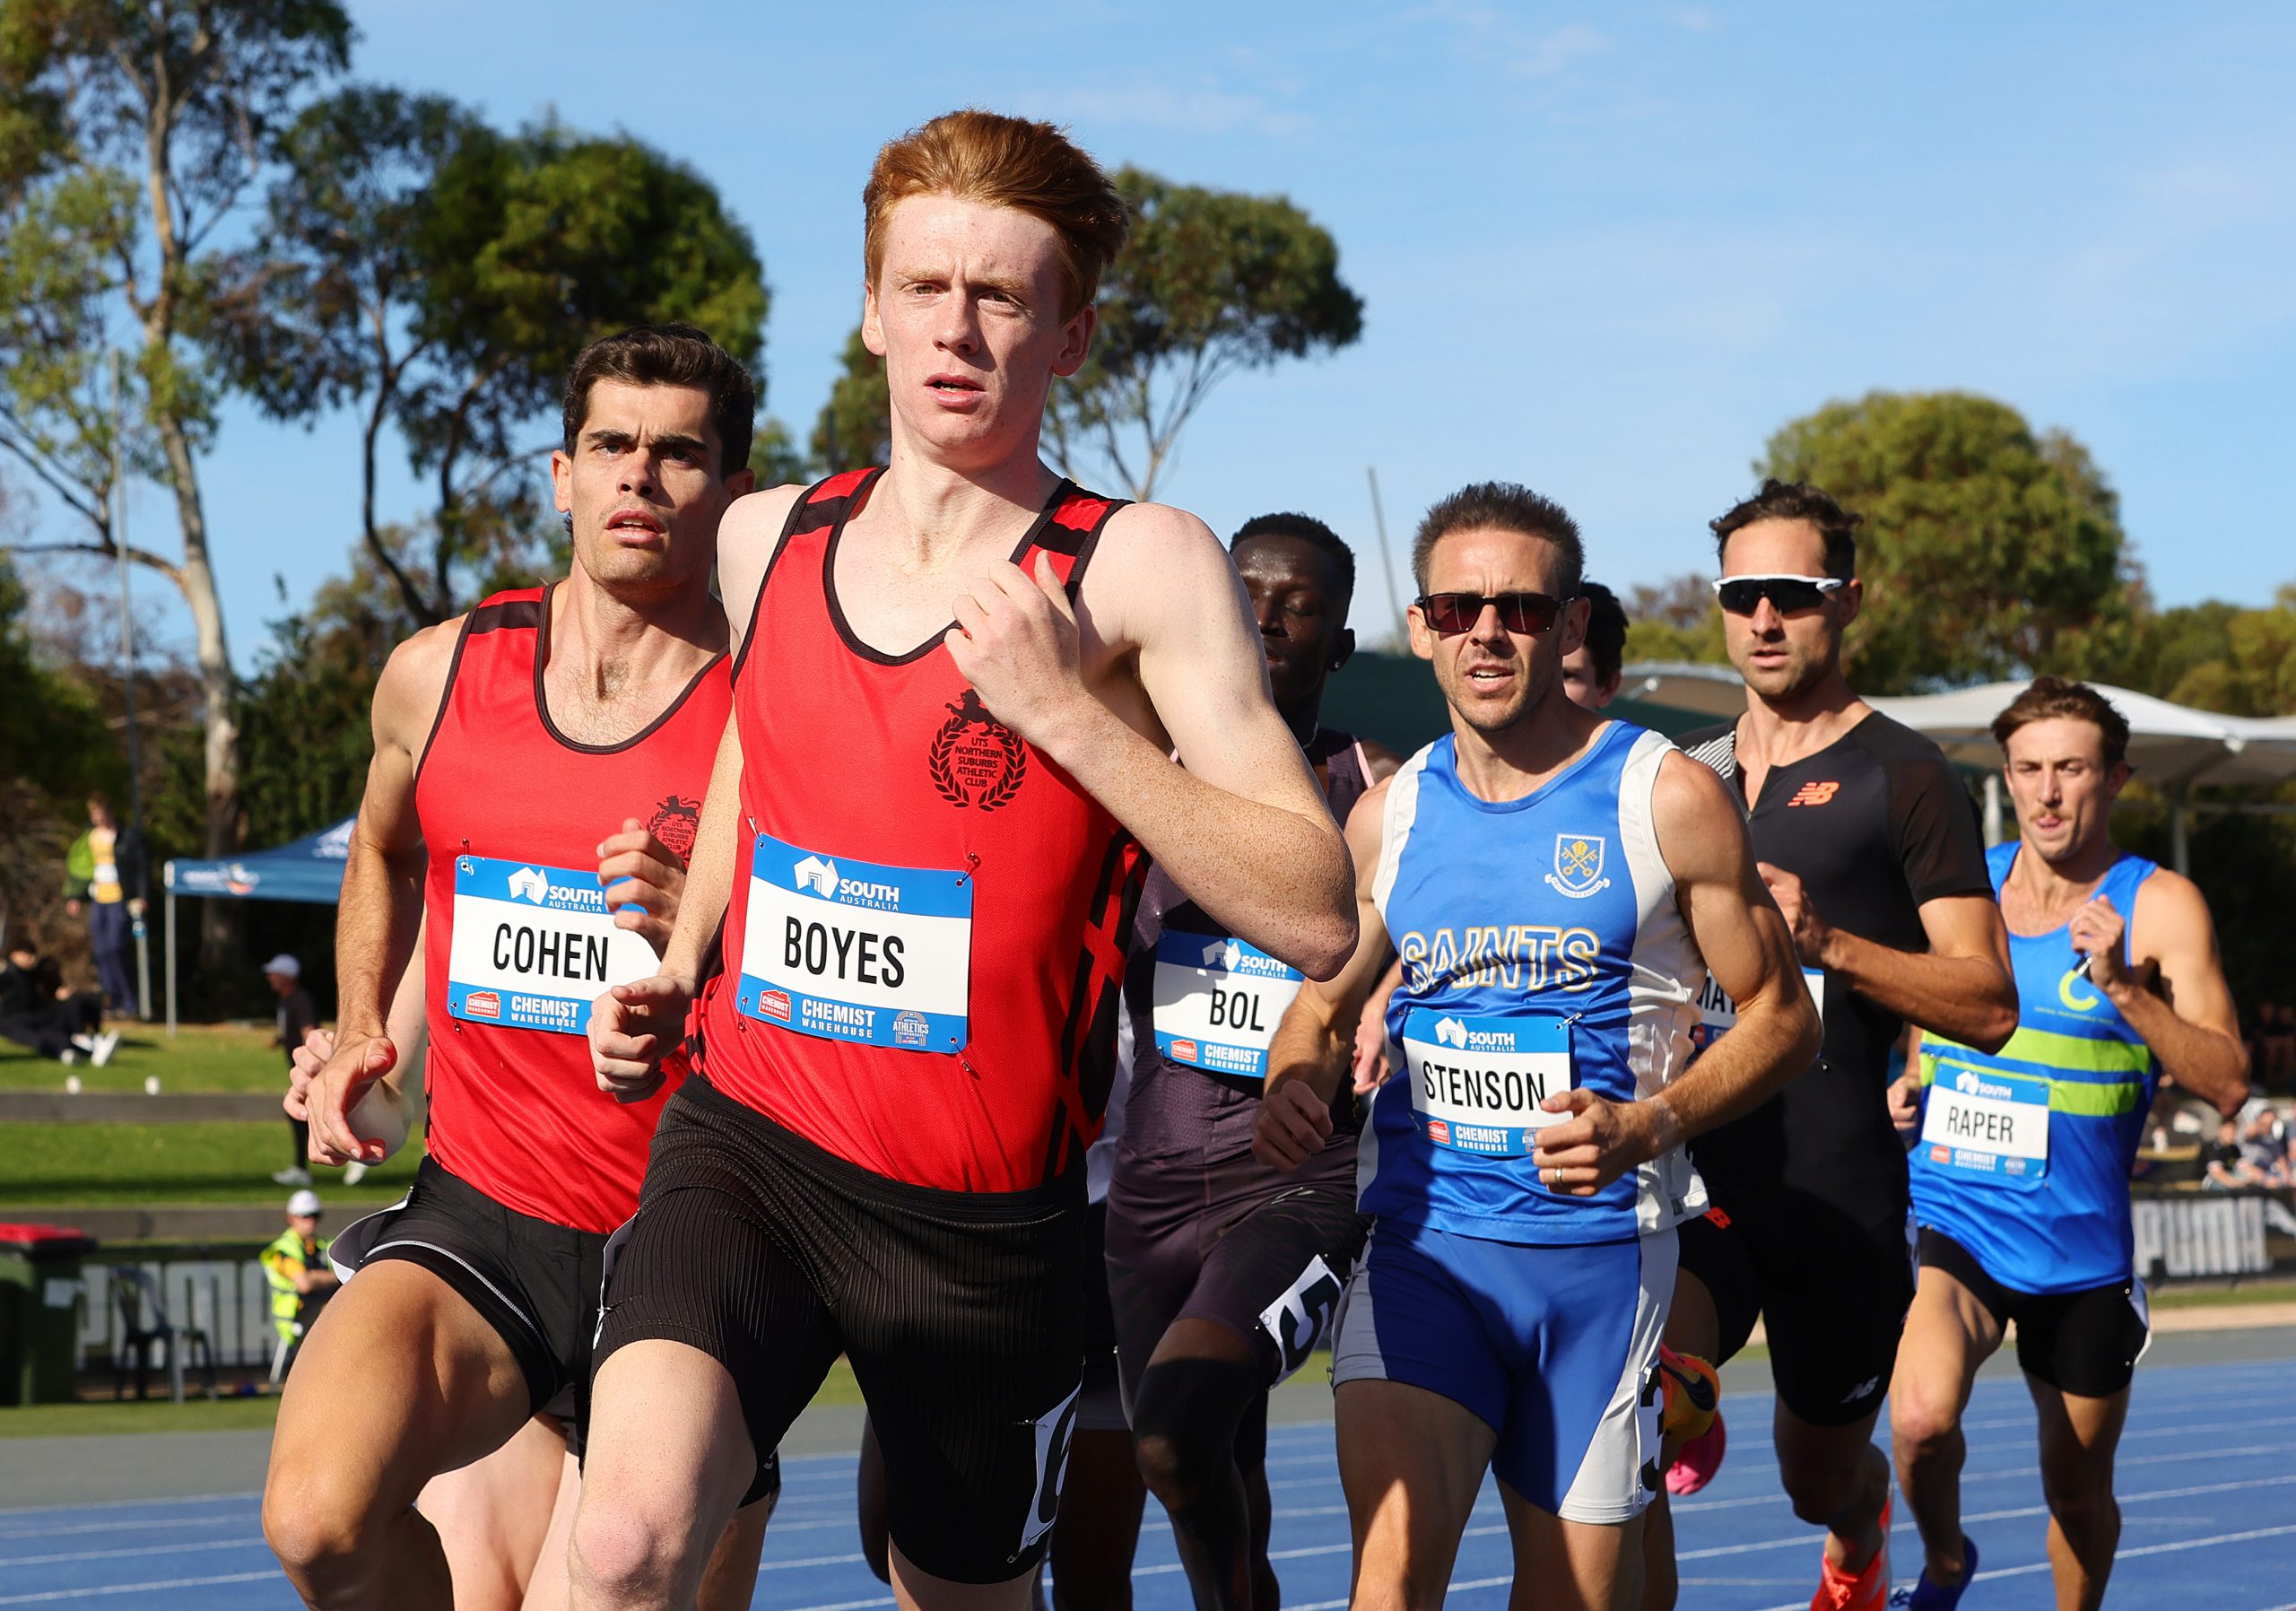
x: 305, y: 1201
x: 284, y: 964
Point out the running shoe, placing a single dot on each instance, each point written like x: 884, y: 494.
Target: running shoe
x: 106, y: 1044
x: 1693, y: 1395
x: 1697, y: 1461
x: 353, y: 1173
x: 1866, y: 1590
x: 1926, y: 1595
x: 292, y: 1177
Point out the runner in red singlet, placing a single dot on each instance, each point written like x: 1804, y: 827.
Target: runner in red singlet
x: 538, y: 774
x: 925, y: 837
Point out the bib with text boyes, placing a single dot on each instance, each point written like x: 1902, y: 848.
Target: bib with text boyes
x: 851, y: 950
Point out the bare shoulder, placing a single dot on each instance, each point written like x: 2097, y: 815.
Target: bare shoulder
x: 2170, y: 907
x: 746, y: 538
x: 1154, y: 563
x: 1688, y: 800
x: 414, y: 682
x: 1367, y: 819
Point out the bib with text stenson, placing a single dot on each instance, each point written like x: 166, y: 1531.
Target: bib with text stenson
x: 1477, y: 1083
x: 534, y: 946
x: 851, y: 950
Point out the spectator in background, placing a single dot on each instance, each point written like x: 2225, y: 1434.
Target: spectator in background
x: 296, y: 1018
x: 2224, y: 1169
x: 104, y: 870
x: 1592, y: 672
x: 295, y: 1266
x: 37, y: 1010
x: 2263, y: 1146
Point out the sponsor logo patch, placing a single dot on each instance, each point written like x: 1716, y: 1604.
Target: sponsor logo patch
x: 1184, y: 1051
x: 1815, y: 794
x: 482, y: 1004
x: 775, y: 1003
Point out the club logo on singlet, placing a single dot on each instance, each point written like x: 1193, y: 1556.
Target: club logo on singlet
x: 1578, y: 866
x: 675, y: 822
x: 976, y: 760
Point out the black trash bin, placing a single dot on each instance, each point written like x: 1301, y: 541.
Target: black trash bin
x: 40, y: 1288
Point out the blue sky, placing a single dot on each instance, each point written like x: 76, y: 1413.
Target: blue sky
x: 1603, y: 250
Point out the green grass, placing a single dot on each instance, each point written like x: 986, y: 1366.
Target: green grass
x: 204, y: 1057
x: 2213, y: 1297
x: 195, y: 1413
x: 135, y: 1165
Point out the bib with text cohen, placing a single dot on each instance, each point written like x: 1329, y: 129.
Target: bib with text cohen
x: 1988, y: 1123
x: 534, y: 946
x: 1477, y: 1083
x: 849, y: 950
x: 1218, y: 1001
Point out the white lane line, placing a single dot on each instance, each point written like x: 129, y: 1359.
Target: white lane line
x: 143, y: 1549
x: 235, y: 1577
x: 108, y: 1526
x: 126, y: 1505
x: 2126, y: 1555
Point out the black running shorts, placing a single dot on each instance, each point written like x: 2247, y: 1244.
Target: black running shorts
x: 2085, y: 1342
x: 1832, y: 1299
x: 536, y: 1283
x: 1231, y: 1241
x: 961, y: 1314
x: 1101, y: 1407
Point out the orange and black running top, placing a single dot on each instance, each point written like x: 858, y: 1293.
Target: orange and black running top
x: 520, y: 940
x: 926, y: 940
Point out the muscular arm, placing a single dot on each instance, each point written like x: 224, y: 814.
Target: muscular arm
x: 1240, y: 825
x: 1311, y: 1045
x: 1961, y: 988
x: 2191, y: 1026
x: 1747, y: 949
x: 381, y: 907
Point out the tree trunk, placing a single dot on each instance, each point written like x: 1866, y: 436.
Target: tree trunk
x: 219, y: 929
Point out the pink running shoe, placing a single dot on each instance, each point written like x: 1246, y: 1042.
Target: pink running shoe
x: 1699, y: 1459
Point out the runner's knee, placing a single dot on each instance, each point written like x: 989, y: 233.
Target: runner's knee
x: 622, y: 1557
x: 1923, y: 1416
x: 1183, y: 1425
x: 320, y: 1525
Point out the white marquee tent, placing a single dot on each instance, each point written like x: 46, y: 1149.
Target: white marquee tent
x: 2175, y: 748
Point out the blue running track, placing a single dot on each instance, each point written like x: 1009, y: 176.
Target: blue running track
x: 2207, y: 1480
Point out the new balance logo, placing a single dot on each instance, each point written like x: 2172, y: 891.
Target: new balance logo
x: 1815, y: 794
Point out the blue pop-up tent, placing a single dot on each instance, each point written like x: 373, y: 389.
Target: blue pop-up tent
x: 309, y: 868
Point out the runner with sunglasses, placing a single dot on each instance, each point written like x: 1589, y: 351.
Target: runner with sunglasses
x: 1870, y: 847
x: 1551, y: 881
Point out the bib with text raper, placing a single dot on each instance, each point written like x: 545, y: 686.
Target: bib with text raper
x: 1217, y: 1002
x: 1988, y: 1123
x: 533, y: 945
x: 852, y: 950
x: 1477, y: 1083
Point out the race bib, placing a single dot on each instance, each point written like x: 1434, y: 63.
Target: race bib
x: 1218, y: 1001
x: 852, y: 950
x: 1988, y: 1123
x: 1717, y: 1011
x: 533, y: 945
x: 1477, y: 1083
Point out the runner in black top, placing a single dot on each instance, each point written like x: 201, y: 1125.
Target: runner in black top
x: 1204, y: 1241
x: 1871, y: 848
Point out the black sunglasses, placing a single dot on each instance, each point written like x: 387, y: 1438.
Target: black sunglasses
x: 1451, y: 613
x: 1788, y: 595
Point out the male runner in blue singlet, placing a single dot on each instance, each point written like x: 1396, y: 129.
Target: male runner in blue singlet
x: 1557, y: 886
x: 2020, y: 1168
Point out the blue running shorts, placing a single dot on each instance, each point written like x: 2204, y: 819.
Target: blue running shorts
x: 1556, y: 1347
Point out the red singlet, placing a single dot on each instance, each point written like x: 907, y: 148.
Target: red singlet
x: 924, y: 948
x: 520, y: 940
